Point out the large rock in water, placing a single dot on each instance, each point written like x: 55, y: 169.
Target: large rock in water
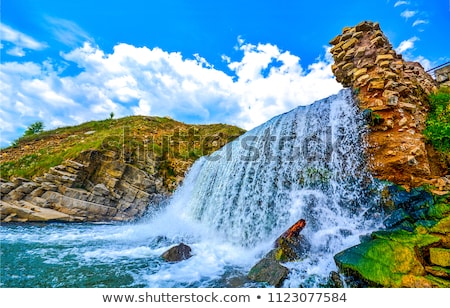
x: 394, y: 259
x: 269, y: 270
x: 177, y: 253
x: 290, y: 246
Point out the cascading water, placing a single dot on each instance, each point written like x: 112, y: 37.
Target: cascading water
x: 307, y: 163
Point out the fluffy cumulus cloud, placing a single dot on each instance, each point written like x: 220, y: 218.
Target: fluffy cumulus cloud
x: 266, y: 81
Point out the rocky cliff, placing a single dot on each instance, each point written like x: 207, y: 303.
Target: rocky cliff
x: 394, y: 95
x: 111, y: 177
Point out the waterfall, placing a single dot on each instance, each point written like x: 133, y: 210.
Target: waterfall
x: 307, y: 163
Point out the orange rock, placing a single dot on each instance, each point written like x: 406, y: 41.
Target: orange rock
x: 295, y: 230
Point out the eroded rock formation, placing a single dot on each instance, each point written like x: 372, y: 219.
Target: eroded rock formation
x: 95, y: 187
x: 393, y: 92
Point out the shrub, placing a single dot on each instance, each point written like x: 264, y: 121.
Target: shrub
x: 438, y: 121
x: 35, y: 128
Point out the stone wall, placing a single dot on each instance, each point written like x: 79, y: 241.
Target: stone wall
x: 95, y: 187
x: 393, y: 93
x: 443, y: 76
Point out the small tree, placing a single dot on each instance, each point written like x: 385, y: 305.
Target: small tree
x: 35, y: 128
x: 111, y: 115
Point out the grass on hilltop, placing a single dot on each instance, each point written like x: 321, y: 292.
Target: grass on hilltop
x: 136, y: 138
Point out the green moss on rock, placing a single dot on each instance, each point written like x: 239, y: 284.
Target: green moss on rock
x: 440, y: 256
x: 442, y: 227
x: 380, y: 262
x: 390, y: 259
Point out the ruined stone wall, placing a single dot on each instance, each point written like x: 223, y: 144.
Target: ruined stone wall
x: 443, y: 76
x: 394, y: 93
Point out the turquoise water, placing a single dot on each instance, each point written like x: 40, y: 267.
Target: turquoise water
x: 102, y: 255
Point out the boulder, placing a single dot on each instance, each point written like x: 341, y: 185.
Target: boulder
x: 177, y: 253
x: 269, y: 270
x: 392, y: 259
x: 291, y: 246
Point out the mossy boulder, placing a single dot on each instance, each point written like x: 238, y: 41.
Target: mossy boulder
x: 391, y: 259
x: 440, y: 256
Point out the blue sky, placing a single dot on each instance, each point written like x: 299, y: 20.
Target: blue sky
x: 237, y: 62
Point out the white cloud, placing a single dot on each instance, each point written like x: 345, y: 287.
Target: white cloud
x: 406, y: 45
x: 427, y: 64
x: 19, y: 41
x: 408, y: 14
x: 134, y: 80
x: 398, y: 3
x: 67, y: 32
x: 420, y: 22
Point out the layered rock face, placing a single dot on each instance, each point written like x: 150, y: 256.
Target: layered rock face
x: 393, y: 93
x: 95, y: 187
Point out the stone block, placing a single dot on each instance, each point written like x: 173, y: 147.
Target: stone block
x: 350, y: 43
x: 386, y: 57
x: 376, y: 85
x: 347, y: 66
x: 378, y: 41
x: 358, y: 34
x: 408, y: 106
x: 335, y: 40
x: 440, y: 256
x: 364, y: 26
x: 360, y: 52
x: 360, y: 72
x: 5, y: 188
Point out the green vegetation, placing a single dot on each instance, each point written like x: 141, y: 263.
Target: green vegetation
x: 35, y: 128
x: 153, y: 144
x: 438, y: 121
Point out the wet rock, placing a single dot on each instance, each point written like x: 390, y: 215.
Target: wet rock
x: 177, y: 253
x: 291, y: 245
x: 397, y: 217
x: 269, y: 270
x: 335, y: 278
